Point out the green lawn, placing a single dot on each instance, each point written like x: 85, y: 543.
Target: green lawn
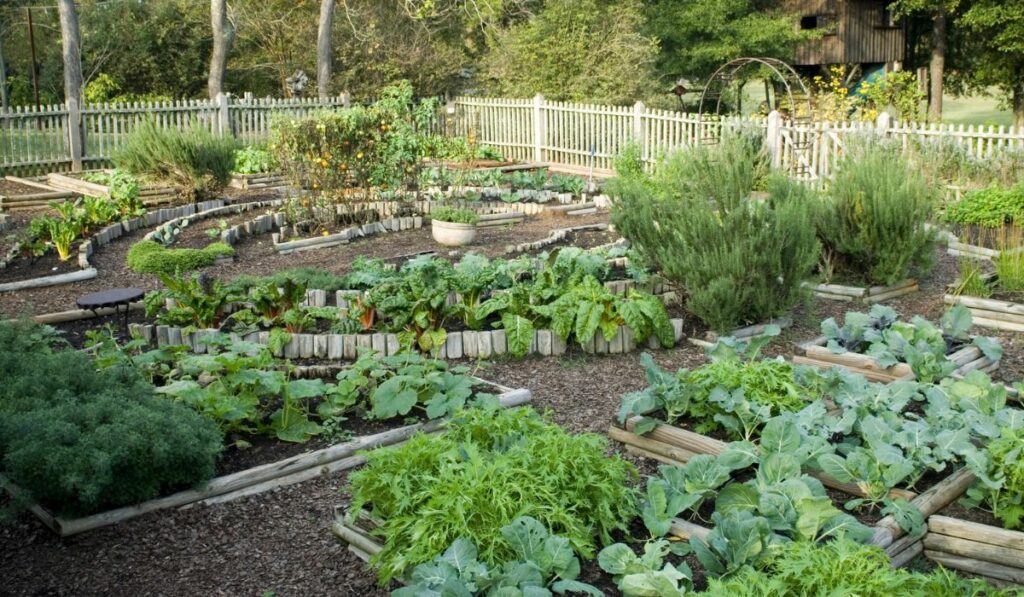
x: 974, y: 110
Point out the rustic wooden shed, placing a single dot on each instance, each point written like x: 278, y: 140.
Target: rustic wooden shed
x: 854, y: 32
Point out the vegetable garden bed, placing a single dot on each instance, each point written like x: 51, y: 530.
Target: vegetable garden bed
x: 264, y: 180
x: 991, y: 313
x: 263, y: 477
x: 882, y: 348
x: 864, y: 294
x: 105, y: 236
x: 151, y: 195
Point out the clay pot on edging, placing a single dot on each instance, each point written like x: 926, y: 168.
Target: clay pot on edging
x: 451, y: 234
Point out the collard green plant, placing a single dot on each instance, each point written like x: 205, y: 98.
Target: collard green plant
x: 735, y: 392
x: 873, y: 224
x: 1000, y: 470
x: 543, y: 564
x: 496, y: 465
x: 924, y: 346
x: 647, y: 575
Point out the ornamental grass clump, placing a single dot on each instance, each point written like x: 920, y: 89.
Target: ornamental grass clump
x: 740, y: 260
x: 488, y: 469
x: 873, y: 222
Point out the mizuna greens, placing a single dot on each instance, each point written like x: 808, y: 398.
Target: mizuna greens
x: 489, y: 468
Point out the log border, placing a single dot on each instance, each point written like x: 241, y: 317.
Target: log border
x: 864, y: 294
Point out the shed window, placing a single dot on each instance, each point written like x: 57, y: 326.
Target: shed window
x: 809, y: 22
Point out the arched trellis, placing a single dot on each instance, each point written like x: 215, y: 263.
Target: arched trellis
x: 796, y: 93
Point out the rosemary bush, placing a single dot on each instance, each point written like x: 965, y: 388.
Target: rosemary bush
x: 739, y: 260
x: 193, y: 158
x: 872, y: 224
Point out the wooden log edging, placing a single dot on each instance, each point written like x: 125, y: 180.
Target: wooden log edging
x: 815, y: 353
x: 986, y: 550
x: 991, y: 313
x: 553, y: 237
x: 264, y: 180
x: 205, y: 211
x: 465, y: 344
x: 259, y: 478
x: 864, y: 294
x: 743, y: 333
x: 321, y: 242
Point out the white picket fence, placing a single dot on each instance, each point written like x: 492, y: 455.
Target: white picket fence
x: 572, y: 135
x: 32, y: 139
x: 585, y: 136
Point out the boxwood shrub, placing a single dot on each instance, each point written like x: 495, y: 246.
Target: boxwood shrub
x: 150, y: 257
x: 79, y: 439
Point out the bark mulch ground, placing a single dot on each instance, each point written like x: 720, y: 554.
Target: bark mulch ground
x: 280, y: 542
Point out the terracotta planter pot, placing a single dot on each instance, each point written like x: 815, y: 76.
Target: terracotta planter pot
x: 451, y: 234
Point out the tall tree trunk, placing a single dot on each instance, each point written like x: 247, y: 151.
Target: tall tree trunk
x: 323, y: 49
x: 5, y: 102
x: 1017, y: 100
x: 223, y: 38
x: 71, y: 41
x: 937, y: 67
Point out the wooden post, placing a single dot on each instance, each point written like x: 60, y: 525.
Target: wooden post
x: 538, y: 128
x: 774, y: 138
x: 224, y: 116
x: 882, y: 123
x: 346, y: 99
x: 4, y: 101
x: 75, y: 134
x: 638, y: 126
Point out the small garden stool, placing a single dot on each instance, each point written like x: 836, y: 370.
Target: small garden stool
x: 115, y: 297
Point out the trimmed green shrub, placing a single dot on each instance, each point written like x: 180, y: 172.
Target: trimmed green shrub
x: 454, y: 215
x: 872, y: 224
x: 489, y: 468
x: 150, y: 257
x: 80, y: 439
x: 193, y: 158
x: 739, y: 260
x: 991, y: 207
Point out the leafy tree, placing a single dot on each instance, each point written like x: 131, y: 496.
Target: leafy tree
x: 996, y: 51
x: 591, y: 50
x: 698, y: 36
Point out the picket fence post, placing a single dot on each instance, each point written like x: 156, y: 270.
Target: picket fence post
x: 638, y: 124
x: 538, y: 128
x: 882, y: 123
x: 75, y: 133
x: 224, y: 117
x: 773, y: 138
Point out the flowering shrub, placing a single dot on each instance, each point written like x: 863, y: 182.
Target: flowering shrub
x: 379, y: 146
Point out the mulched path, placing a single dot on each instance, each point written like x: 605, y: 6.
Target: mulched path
x: 280, y: 542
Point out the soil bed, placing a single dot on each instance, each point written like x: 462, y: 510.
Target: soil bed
x: 15, y: 189
x: 27, y: 268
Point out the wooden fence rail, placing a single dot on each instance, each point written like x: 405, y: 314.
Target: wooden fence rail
x: 577, y: 136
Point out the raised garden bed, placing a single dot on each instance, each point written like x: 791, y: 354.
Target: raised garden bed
x: 102, y: 237
x: 673, y: 445
x: 864, y: 294
x: 150, y: 195
x: 264, y: 477
x: 265, y: 180
x: 22, y: 194
x: 967, y: 358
